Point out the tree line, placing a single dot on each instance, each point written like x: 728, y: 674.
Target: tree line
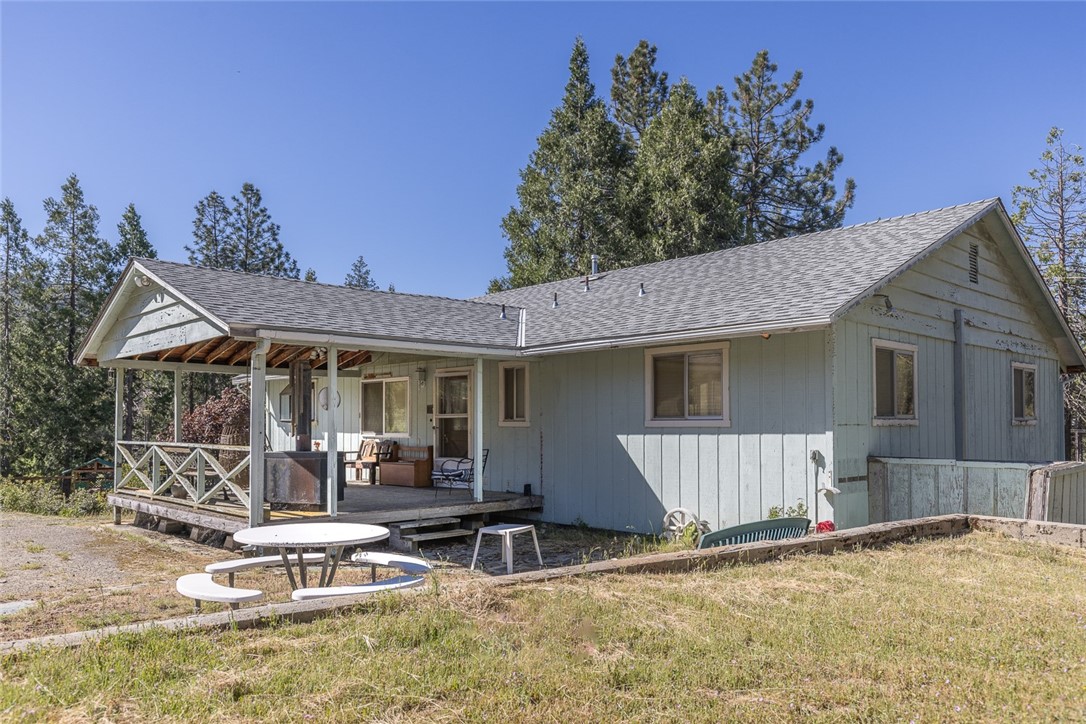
x: 662, y: 172
x: 55, y: 415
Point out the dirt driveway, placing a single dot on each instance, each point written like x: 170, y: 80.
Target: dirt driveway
x: 83, y: 574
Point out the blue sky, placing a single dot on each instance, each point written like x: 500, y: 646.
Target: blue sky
x: 397, y: 131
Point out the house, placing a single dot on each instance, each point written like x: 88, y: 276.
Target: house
x: 726, y: 383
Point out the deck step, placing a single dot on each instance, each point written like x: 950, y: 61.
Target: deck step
x: 413, y: 539
x: 425, y: 523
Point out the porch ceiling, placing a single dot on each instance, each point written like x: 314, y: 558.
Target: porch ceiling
x: 228, y: 351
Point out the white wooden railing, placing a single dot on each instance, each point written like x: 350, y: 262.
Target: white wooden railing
x: 158, y: 466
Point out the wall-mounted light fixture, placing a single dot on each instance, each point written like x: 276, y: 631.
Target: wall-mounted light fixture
x: 885, y: 300
x: 422, y: 376
x: 142, y: 281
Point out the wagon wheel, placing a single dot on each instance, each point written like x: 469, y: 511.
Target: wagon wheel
x: 677, y: 520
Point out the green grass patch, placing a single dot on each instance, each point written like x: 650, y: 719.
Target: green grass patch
x: 972, y: 628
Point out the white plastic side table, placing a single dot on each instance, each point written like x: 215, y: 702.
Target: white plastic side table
x: 506, y: 531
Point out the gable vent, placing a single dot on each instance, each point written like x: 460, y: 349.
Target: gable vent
x: 973, y: 263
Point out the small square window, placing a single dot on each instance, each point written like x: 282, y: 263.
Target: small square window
x: 1024, y: 393
x: 687, y: 386
x: 895, y: 382
x: 385, y: 407
x: 513, y: 394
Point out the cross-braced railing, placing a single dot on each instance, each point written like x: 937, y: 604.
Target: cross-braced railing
x: 199, y: 470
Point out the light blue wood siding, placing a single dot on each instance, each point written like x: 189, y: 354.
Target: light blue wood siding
x: 1001, y: 327
x: 603, y: 466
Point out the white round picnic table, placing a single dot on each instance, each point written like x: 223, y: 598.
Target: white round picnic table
x: 296, y: 537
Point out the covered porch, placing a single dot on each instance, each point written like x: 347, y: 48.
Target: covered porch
x: 305, y: 391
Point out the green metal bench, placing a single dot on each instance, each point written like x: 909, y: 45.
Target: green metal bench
x: 772, y: 529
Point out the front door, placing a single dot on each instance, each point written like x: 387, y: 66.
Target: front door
x: 452, y: 415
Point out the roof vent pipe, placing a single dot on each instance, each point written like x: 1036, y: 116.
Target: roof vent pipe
x: 586, y: 284
x: 502, y: 315
x: 641, y: 291
x: 555, y: 305
x: 595, y: 264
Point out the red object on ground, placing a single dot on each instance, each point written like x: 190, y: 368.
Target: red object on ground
x: 825, y: 526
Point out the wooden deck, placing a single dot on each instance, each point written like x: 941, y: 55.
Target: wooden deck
x: 378, y: 504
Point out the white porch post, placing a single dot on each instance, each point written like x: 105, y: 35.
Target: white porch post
x: 118, y: 425
x: 330, y: 426
x: 257, y: 421
x: 177, y: 405
x: 477, y: 493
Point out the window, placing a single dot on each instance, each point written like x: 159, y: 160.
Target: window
x: 1024, y: 381
x: 513, y: 394
x: 384, y: 407
x: 895, y: 383
x: 687, y: 386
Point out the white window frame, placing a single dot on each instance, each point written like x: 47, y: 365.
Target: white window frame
x: 362, y: 407
x: 914, y: 419
x: 1015, y: 420
x: 652, y: 421
x: 502, y: 421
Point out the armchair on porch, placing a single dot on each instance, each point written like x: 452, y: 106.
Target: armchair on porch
x: 457, y: 472
x: 371, y: 453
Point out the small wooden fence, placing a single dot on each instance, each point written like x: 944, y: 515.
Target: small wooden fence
x: 1057, y: 493
x: 190, y: 472
x: 905, y: 488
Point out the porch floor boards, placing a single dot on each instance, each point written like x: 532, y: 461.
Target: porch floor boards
x: 376, y: 504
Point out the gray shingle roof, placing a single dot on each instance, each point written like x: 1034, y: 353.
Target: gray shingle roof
x: 801, y: 280
x: 774, y: 284
x: 251, y: 300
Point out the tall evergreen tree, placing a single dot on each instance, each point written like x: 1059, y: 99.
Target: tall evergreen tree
x: 132, y: 239
x: 359, y: 276
x: 771, y: 131
x: 72, y: 405
x: 1051, y: 218
x: 16, y: 254
x: 638, y: 91
x: 682, y: 196
x: 210, y: 233
x: 253, y: 238
x: 568, y: 194
x: 310, y: 275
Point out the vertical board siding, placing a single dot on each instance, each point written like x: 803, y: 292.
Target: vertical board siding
x: 916, y: 488
x: 1067, y: 494
x: 1001, y: 327
x: 606, y: 468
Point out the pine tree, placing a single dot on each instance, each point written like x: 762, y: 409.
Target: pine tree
x: 638, y: 91
x: 310, y: 275
x: 253, y: 238
x: 1051, y: 218
x: 771, y: 131
x: 72, y: 405
x: 682, y: 194
x: 132, y: 239
x: 209, y: 233
x: 568, y: 194
x: 359, y: 276
x: 16, y: 255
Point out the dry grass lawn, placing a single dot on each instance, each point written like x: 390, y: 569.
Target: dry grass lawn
x: 972, y: 628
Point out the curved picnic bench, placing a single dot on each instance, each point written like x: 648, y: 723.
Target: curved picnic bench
x: 232, y: 566
x: 201, y: 587
x: 759, y: 530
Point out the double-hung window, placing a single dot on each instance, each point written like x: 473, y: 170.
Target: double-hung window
x: 687, y: 386
x: 894, y: 383
x: 513, y: 394
x: 385, y: 406
x: 1024, y: 392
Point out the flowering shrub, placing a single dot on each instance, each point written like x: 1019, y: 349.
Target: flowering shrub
x: 205, y: 424
x: 826, y: 526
